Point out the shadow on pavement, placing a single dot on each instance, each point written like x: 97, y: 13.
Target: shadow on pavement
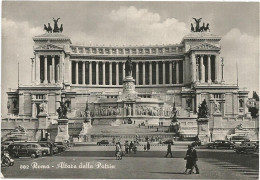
x: 169, y: 173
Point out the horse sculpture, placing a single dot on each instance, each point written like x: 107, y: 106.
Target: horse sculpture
x: 48, y: 29
x: 128, y: 67
x: 61, y: 28
x: 202, y: 28
x: 207, y: 28
x: 192, y: 28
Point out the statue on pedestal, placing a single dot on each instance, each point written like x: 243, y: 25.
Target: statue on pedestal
x: 43, y: 108
x: 128, y: 67
x: 217, y: 106
x: 62, y: 111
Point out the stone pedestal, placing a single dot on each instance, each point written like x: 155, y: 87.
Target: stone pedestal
x: 83, y: 136
x: 63, y: 130
x: 203, y: 129
x: 43, y: 125
x: 129, y: 89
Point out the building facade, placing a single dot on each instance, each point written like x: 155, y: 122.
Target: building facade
x: 180, y: 75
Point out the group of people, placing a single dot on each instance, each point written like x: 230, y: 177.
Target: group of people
x: 132, y: 147
x: 129, y: 147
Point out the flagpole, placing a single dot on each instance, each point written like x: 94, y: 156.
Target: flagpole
x: 237, y: 73
x: 18, y: 75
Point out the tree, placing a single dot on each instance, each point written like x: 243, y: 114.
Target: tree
x: 255, y: 96
x: 203, y: 110
x: 253, y: 111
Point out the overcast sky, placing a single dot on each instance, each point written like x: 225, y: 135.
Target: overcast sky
x: 131, y: 23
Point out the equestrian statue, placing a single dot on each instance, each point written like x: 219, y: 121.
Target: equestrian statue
x: 56, y: 28
x: 128, y: 67
x: 197, y: 28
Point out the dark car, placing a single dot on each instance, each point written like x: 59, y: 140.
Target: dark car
x: 55, y: 149
x: 25, y: 150
x: 245, y: 147
x: 196, y: 143
x: 169, y: 141
x: 103, y: 142
x: 220, y: 144
x: 61, y: 146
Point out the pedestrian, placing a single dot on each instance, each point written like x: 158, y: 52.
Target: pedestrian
x: 148, y: 146
x: 194, y: 159
x: 131, y: 146
x: 135, y: 147
x: 118, y: 151
x: 144, y: 147
x: 126, y: 147
x: 188, y: 159
x: 169, y: 150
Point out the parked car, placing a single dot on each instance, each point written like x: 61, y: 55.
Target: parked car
x: 103, y: 142
x: 55, y: 149
x: 220, y: 144
x: 196, y: 143
x: 245, y: 147
x: 45, y: 149
x: 25, y: 149
x: 61, y: 146
x: 168, y: 141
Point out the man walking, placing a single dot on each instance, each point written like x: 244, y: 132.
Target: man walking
x: 194, y: 159
x: 169, y: 150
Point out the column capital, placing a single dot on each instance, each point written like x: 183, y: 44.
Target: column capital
x: 52, y: 56
x: 163, y: 62
x: 110, y: 62
x: 45, y: 56
x: 150, y: 62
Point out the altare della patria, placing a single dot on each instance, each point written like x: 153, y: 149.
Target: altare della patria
x: 89, y: 93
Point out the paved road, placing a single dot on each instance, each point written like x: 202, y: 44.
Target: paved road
x: 214, y: 164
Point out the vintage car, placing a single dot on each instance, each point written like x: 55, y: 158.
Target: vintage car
x: 220, y: 144
x: 25, y: 150
x: 245, y: 147
x: 168, y: 141
x: 103, y: 142
x: 196, y: 143
x: 45, y: 149
x: 61, y: 146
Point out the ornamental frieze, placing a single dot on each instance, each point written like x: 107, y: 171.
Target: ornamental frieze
x: 180, y: 57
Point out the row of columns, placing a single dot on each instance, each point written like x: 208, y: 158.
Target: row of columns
x: 36, y: 69
x: 198, y: 68
x: 117, y: 72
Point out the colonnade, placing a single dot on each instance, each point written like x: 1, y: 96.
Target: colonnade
x: 47, y: 68
x: 105, y: 68
x: 206, y: 68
